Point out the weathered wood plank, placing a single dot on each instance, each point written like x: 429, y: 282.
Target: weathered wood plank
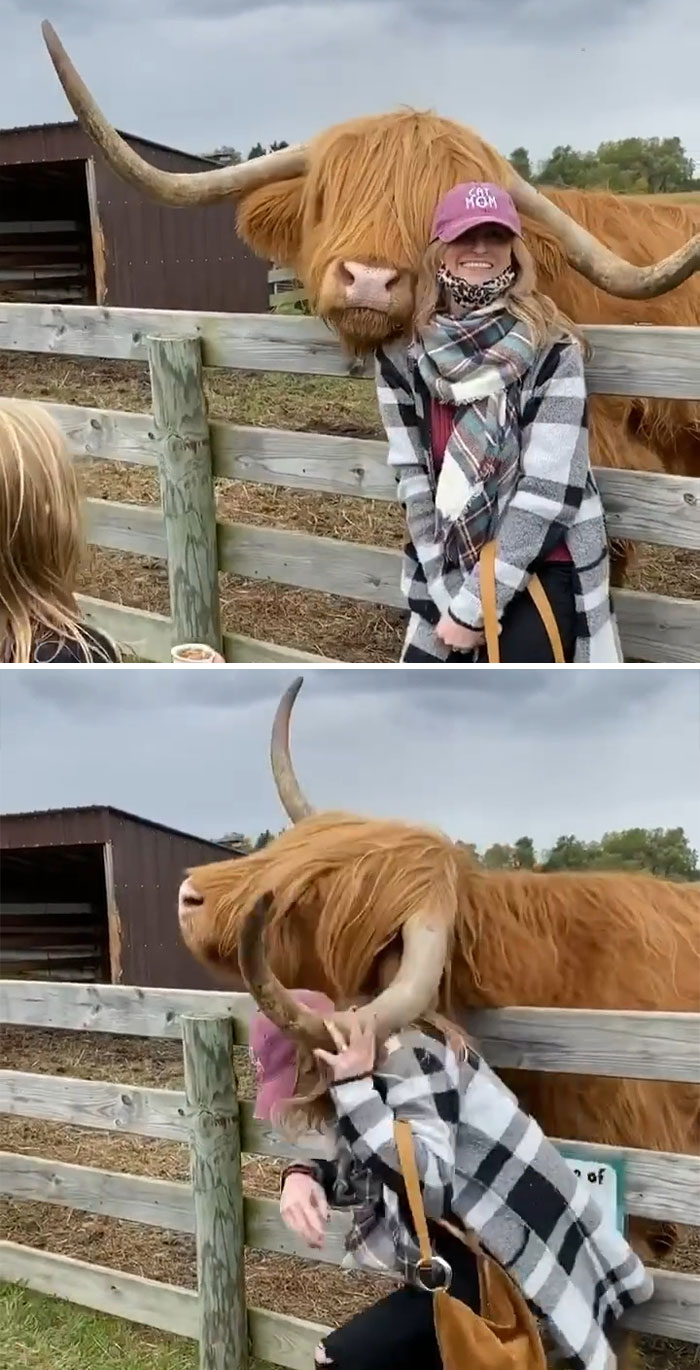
x: 627, y: 360
x: 187, y: 493
x: 658, y: 628
x: 217, y: 1191
x: 600, y: 1042
x: 638, y: 361
x: 354, y: 570
x: 276, y: 1339
x: 100, y: 1104
x: 322, y: 462
x: 105, y: 434
x: 674, y: 1310
x: 661, y: 510
x: 137, y: 528
x: 659, y: 1185
x: 125, y: 1010
x: 166, y: 1204
x: 652, y: 627
x: 151, y: 636
x: 641, y: 1046
x: 165, y: 1306
x: 664, y: 510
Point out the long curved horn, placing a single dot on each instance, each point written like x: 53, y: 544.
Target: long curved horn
x: 414, y: 987
x: 169, y: 187
x: 294, y: 801
x: 410, y: 992
x: 271, y: 997
x: 596, y: 262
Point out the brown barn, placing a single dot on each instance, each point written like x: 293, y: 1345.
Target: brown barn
x: 71, y: 232
x: 91, y: 893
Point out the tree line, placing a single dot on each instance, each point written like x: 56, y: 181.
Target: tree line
x: 634, y: 166
x: 662, y: 851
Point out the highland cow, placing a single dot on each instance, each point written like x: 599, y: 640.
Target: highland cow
x: 351, y: 211
x: 397, y: 917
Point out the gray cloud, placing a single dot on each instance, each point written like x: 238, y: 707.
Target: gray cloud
x: 486, y: 755
x: 234, y: 71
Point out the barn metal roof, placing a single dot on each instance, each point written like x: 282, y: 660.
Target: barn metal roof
x: 74, y: 810
x: 128, y: 137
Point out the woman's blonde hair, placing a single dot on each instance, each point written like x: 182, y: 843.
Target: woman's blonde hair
x: 311, y: 1108
x: 546, y: 321
x: 40, y: 535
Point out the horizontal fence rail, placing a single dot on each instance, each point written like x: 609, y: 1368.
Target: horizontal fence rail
x: 275, y: 1337
x: 627, y: 359
x: 656, y: 509
x: 659, y: 509
x: 658, y: 1186
x: 580, y: 1041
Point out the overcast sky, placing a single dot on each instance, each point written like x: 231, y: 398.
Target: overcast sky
x: 532, y: 72
x: 486, y: 755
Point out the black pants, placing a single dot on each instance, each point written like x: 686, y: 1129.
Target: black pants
x: 398, y: 1333
x: 523, y: 635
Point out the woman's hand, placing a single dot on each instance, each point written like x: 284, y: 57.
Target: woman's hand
x: 304, y: 1208
x: 457, y: 637
x: 356, y: 1056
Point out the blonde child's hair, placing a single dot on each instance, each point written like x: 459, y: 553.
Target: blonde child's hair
x: 41, y: 538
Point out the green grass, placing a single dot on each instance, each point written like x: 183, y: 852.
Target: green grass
x: 38, y: 1333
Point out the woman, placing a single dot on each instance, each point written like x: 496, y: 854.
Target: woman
x: 40, y: 545
x: 483, y: 1165
x: 486, y: 415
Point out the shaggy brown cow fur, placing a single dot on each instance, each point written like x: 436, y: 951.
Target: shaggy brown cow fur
x: 345, y: 886
x: 368, y: 196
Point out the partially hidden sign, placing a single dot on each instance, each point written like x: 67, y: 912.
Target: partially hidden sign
x: 606, y: 1180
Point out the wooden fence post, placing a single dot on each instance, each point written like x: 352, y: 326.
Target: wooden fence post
x: 217, y: 1185
x: 187, y: 488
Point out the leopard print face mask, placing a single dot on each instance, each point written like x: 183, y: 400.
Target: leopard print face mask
x: 469, y: 296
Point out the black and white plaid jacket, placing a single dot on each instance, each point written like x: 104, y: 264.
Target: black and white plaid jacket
x: 485, y: 1164
x: 556, y: 497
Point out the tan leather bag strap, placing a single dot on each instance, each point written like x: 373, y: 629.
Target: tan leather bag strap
x: 407, y: 1158
x: 487, y: 580
x: 541, y: 602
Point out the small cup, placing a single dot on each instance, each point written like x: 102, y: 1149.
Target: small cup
x: 194, y: 654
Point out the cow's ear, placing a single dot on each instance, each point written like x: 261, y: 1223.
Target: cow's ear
x: 270, y: 219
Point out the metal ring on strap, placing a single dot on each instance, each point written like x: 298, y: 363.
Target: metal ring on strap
x: 434, y: 1264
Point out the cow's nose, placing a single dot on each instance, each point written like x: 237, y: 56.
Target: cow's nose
x: 367, y: 286
x: 188, y: 899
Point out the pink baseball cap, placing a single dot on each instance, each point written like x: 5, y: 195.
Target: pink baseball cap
x: 275, y: 1054
x: 470, y: 204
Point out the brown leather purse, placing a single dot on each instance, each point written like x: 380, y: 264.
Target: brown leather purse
x: 487, y: 581
x: 504, y: 1335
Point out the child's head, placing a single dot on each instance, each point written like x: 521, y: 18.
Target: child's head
x: 40, y: 531
x: 291, y: 1083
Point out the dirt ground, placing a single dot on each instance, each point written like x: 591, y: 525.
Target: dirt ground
x: 328, y: 624
x: 287, y: 1284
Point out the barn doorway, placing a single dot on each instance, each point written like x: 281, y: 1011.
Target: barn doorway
x: 54, y: 914
x: 46, y: 235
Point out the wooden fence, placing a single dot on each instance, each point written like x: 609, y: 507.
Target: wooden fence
x: 190, y: 451
x: 208, y: 1116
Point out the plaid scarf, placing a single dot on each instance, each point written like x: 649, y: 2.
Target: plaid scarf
x: 486, y: 1165
x: 476, y: 364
